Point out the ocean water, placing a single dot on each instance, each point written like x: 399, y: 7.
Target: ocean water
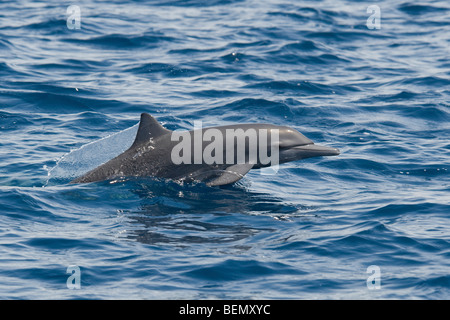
x: 371, y: 223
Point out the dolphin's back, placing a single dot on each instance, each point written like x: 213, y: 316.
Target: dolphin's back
x: 129, y: 163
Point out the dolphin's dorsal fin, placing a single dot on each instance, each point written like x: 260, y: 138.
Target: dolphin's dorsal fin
x: 149, y: 128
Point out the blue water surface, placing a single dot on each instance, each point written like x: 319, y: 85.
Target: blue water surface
x: 69, y: 98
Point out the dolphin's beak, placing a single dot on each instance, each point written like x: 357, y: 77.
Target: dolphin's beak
x: 305, y: 151
x: 314, y: 150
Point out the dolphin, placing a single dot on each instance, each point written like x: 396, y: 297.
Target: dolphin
x: 216, y: 155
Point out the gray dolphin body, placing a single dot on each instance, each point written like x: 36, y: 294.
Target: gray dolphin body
x: 152, y: 153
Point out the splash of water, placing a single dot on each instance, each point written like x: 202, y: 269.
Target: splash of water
x: 89, y: 156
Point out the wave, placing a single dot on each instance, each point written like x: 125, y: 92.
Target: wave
x: 421, y: 9
x: 123, y: 41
